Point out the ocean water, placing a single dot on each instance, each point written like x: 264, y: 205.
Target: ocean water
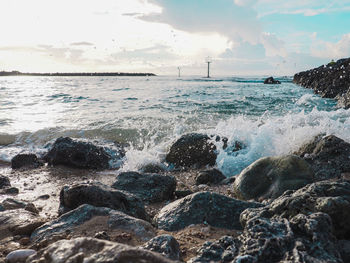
x: 150, y: 113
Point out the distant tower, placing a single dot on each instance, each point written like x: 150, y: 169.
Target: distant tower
x: 208, y: 61
x: 179, y: 69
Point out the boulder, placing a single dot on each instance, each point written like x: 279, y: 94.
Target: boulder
x: 69, y: 222
x: 166, y: 245
x: 21, y: 222
x: 100, y: 195
x: 330, y: 197
x: 20, y: 255
x: 271, y: 80
x: 80, y: 154
x: 192, y: 150
x: 269, y: 177
x: 26, y: 160
x: 327, y: 155
x: 344, y: 249
x: 148, y: 187
x: 210, y: 177
x: 202, y: 207
x: 94, y: 251
x: 4, y: 182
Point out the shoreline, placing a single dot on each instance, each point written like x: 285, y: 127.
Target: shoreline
x: 79, y: 74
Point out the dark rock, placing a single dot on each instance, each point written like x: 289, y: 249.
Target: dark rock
x: 10, y: 204
x: 166, y: 245
x: 9, y: 191
x: 344, y: 249
x: 203, y: 207
x: 210, y: 177
x: 192, y: 150
x: 102, y: 235
x: 269, y: 177
x: 271, y: 80
x: 182, y: 193
x: 228, y: 180
x: 223, y: 250
x: 26, y: 160
x: 101, y: 196
x: 94, y: 251
x: 327, y: 155
x: 153, y: 168
x: 77, y: 217
x: 4, y: 182
x: 344, y: 100
x: 332, y: 198
x: 148, y: 187
x: 330, y: 81
x: 80, y: 154
x: 21, y: 222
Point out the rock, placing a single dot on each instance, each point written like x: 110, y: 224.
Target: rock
x: 344, y: 249
x: 80, y: 154
x: 20, y: 222
x: 166, y: 245
x: 26, y: 160
x: 332, y: 198
x: 327, y: 155
x: 94, y: 251
x: 102, y: 235
x: 70, y: 221
x: 269, y: 177
x: 182, y: 193
x: 228, y: 180
x: 10, y: 191
x: 10, y: 204
x: 19, y: 256
x: 192, y: 150
x: 330, y: 81
x: 210, y: 177
x: 153, y: 168
x: 271, y: 80
x: 4, y: 182
x: 100, y: 195
x: 344, y: 100
x: 202, y: 207
x: 148, y: 187
x: 223, y: 250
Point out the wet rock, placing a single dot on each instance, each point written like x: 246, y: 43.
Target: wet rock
x: 153, y: 168
x: 332, y: 198
x: 102, y: 235
x: 228, y: 180
x: 222, y: 250
x: 80, y: 154
x: 344, y: 249
x: 271, y: 80
x: 344, y: 100
x: 329, y: 156
x: 4, y: 182
x: 182, y: 193
x: 330, y: 81
x: 26, y: 160
x: 10, y: 191
x: 21, y: 222
x: 19, y: 256
x: 94, y: 251
x: 210, y: 177
x: 78, y: 217
x: 100, y: 195
x: 148, y: 187
x: 192, y: 150
x: 269, y: 177
x: 10, y: 204
x: 203, y: 207
x: 165, y: 245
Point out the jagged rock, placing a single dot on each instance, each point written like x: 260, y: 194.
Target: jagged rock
x: 83, y: 214
x: 94, y: 251
x: 80, y: 154
x: 20, y: 255
x: 100, y: 195
x: 223, y: 250
x: 271, y: 80
x: 269, y: 177
x: 192, y: 150
x: 4, y: 182
x: 330, y: 81
x: 148, y: 187
x: 344, y: 100
x: 26, y: 160
x: 332, y: 198
x: 21, y: 222
x: 203, y: 207
x: 166, y: 245
x: 210, y: 177
x: 328, y: 156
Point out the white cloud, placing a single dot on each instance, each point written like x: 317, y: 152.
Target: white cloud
x: 245, y: 2
x: 273, y: 45
x: 331, y: 50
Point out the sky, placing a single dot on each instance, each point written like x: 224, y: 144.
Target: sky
x: 241, y: 37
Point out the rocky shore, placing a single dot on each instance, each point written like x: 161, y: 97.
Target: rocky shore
x: 330, y: 81
x: 69, y: 206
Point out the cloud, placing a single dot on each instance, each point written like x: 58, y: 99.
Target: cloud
x: 340, y: 49
x: 83, y: 43
x: 273, y: 45
x: 245, y: 2
x: 245, y: 51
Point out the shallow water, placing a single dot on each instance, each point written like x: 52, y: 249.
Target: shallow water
x: 150, y: 113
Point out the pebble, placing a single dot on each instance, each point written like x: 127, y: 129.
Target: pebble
x: 19, y: 256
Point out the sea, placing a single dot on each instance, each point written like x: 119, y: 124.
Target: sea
x: 150, y: 113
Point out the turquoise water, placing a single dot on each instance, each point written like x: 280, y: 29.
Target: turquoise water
x: 150, y: 113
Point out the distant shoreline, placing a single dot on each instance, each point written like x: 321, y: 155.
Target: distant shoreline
x: 79, y: 74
